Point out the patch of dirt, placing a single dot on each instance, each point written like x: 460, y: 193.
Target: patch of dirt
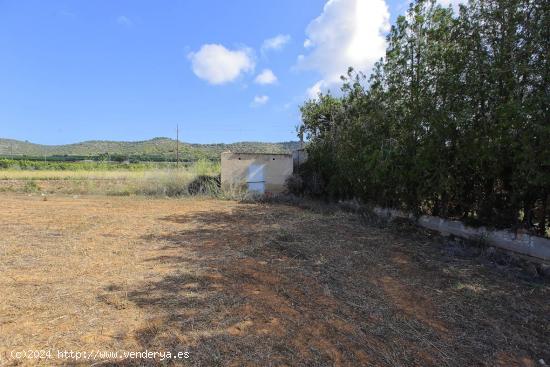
x: 410, y: 303
x: 253, y: 284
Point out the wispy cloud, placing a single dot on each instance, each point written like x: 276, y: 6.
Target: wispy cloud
x: 266, y: 77
x: 275, y: 43
x: 260, y: 100
x: 218, y: 65
x: 124, y: 21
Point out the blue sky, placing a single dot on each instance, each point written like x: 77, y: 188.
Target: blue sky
x: 225, y: 71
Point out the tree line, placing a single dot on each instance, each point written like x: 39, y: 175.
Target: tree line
x: 452, y: 122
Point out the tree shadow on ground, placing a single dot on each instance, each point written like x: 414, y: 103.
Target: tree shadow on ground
x: 270, y: 285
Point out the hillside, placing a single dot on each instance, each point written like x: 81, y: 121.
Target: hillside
x: 157, y: 147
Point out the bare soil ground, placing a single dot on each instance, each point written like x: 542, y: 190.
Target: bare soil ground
x: 254, y: 284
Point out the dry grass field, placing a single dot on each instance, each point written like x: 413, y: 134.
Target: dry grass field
x: 239, y: 284
x: 133, y: 180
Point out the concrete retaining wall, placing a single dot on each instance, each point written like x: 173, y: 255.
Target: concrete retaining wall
x: 518, y: 242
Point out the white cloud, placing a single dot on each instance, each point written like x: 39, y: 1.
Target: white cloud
x: 315, y: 89
x: 218, y: 65
x: 275, y: 43
x: 266, y: 77
x: 260, y: 100
x: 124, y: 20
x: 347, y: 33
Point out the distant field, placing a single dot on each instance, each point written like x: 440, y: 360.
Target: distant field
x: 140, y: 180
x: 76, y: 175
x: 85, y: 165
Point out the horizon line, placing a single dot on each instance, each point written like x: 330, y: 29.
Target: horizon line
x: 150, y: 139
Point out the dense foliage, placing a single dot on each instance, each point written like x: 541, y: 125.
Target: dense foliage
x: 453, y: 122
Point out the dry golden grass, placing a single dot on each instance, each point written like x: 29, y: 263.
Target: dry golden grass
x: 152, y: 182
x: 70, y: 175
x: 161, y: 182
x: 253, y: 284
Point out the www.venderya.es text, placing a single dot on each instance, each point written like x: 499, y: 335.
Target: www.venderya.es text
x: 75, y: 355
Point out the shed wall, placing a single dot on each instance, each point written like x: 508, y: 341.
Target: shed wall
x: 278, y: 168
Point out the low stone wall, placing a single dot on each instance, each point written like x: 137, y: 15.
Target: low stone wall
x: 518, y: 242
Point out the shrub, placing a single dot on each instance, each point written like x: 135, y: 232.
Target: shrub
x: 31, y: 186
x: 295, y: 184
x: 204, y: 185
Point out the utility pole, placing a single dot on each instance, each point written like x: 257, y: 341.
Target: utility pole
x: 177, y: 146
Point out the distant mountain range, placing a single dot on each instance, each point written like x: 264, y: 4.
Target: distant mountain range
x: 163, y: 148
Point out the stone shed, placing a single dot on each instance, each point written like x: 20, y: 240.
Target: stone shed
x: 260, y: 172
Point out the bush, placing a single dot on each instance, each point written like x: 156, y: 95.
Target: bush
x: 295, y: 184
x: 204, y: 185
x: 31, y: 186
